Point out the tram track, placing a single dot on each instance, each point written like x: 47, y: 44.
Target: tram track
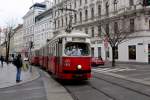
x: 107, y: 95
x: 139, y: 92
x: 75, y: 97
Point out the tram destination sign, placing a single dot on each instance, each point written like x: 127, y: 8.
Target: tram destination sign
x: 78, y: 39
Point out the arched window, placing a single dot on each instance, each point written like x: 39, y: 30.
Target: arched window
x: 86, y: 15
x: 80, y: 16
x: 92, y: 12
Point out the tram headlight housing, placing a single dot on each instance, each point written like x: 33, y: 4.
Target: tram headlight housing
x: 79, y: 67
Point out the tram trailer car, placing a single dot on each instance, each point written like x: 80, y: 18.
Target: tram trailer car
x: 45, y: 59
x: 34, y: 60
x: 35, y: 57
x: 69, y: 56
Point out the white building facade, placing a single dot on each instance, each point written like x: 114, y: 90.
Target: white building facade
x: 18, y: 36
x: 37, y: 25
x: 43, y: 29
x: 91, y: 17
x: 29, y: 23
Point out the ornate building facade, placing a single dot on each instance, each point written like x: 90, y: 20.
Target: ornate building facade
x: 94, y: 17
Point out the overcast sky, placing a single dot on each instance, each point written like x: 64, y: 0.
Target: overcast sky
x: 14, y: 10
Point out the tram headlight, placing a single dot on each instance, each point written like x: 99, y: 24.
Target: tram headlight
x: 79, y: 67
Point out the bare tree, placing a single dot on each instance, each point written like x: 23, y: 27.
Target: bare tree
x: 9, y: 32
x: 115, y: 32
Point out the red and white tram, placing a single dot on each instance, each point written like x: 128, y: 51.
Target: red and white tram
x: 67, y: 56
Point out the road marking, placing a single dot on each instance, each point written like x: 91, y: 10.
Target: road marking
x: 112, y: 69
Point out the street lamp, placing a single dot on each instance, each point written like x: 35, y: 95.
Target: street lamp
x: 30, y: 47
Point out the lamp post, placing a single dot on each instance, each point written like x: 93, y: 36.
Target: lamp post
x: 30, y: 47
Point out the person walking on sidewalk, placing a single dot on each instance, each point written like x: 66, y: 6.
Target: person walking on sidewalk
x: 2, y: 60
x: 18, y: 63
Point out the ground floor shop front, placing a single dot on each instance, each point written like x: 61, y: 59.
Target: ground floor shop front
x: 132, y: 50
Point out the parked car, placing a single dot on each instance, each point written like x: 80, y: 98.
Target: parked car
x: 97, y: 61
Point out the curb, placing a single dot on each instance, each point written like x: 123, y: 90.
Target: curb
x: 54, y: 90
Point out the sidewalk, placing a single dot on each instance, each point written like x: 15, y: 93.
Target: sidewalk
x: 53, y: 90
x: 8, y: 75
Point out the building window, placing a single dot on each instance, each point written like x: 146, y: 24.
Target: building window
x: 80, y: 16
x: 99, y: 10
x: 92, y: 13
x: 116, y: 27
x: 107, y: 53
x: 85, y: 1
x: 115, y: 5
x: 132, y: 52
x: 62, y: 21
x: 131, y: 3
x: 99, y: 52
x: 66, y: 21
x: 86, y: 15
x: 107, y: 28
x: 99, y: 30
x: 58, y: 23
x: 116, y: 53
x: 107, y: 8
x: 55, y: 13
x: 131, y: 25
x: 55, y: 24
x: 55, y: 1
x: 92, y: 52
x: 92, y: 29
x: 86, y: 30
x: 75, y: 18
x: 149, y: 24
x: 80, y: 2
x: 75, y: 4
x: 58, y: 13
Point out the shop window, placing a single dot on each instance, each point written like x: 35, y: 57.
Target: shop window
x: 92, y: 52
x: 116, y: 53
x: 132, y: 52
x: 99, y: 51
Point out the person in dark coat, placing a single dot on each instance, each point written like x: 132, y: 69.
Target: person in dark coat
x: 18, y: 63
x: 2, y: 60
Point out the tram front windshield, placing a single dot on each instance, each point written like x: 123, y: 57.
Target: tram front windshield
x: 77, y: 49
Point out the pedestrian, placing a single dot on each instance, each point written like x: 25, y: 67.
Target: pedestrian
x: 18, y: 63
x: 67, y: 51
x: 2, y: 60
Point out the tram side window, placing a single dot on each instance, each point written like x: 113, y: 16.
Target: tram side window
x: 77, y: 49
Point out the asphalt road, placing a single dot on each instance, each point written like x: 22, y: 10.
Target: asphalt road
x: 106, y: 87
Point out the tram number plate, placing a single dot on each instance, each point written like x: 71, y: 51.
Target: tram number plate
x: 78, y: 75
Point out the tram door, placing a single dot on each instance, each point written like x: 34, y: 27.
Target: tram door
x: 58, y: 56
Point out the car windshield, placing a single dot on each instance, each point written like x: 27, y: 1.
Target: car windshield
x: 77, y: 49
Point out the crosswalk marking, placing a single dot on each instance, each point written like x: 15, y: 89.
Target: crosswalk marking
x: 112, y: 69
